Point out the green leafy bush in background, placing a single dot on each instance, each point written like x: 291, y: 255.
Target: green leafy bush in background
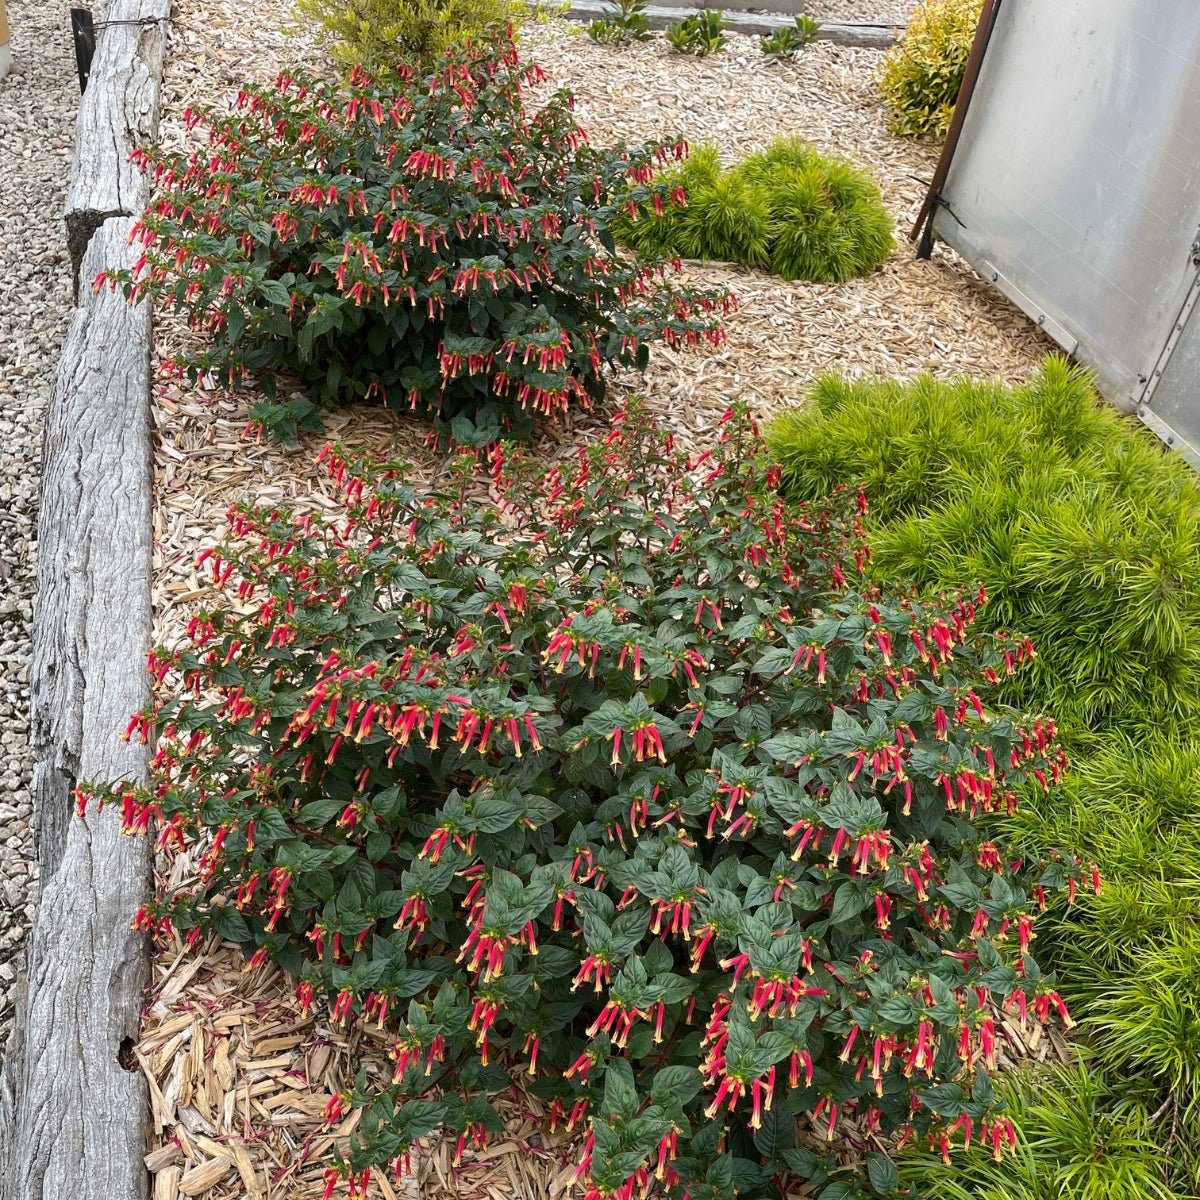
x: 426, y: 242
x: 787, y: 209
x: 701, y: 34
x: 789, y: 41
x: 924, y: 70
x: 627, y: 785
x: 626, y: 22
x: 381, y: 35
x: 1086, y: 535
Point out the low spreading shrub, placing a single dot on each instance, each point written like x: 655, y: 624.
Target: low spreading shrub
x: 1132, y: 954
x: 701, y: 34
x: 1086, y: 535
x: 628, y: 786
x: 427, y: 242
x: 924, y: 70
x: 787, y: 209
x: 381, y: 35
x: 789, y: 41
x: 626, y: 22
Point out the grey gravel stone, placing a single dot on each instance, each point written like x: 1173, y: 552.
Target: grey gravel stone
x: 38, y: 102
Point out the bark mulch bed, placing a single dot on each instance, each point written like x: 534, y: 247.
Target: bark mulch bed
x: 238, y: 1078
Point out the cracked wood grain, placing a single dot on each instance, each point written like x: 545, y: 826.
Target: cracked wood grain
x: 117, y: 114
x: 72, y: 1118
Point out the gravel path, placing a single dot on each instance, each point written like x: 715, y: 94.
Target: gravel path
x: 870, y: 12
x: 37, y: 111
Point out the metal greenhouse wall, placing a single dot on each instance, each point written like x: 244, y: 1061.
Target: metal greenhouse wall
x: 1071, y: 180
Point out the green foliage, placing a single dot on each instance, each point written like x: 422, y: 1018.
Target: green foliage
x: 786, y: 208
x: 626, y: 784
x: 701, y: 34
x: 788, y: 42
x: 380, y: 35
x: 627, y: 22
x: 1080, y: 1136
x: 1084, y: 533
x: 923, y: 72
x: 1132, y: 953
x: 428, y: 242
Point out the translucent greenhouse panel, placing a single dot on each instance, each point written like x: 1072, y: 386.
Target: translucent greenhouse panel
x: 1075, y: 187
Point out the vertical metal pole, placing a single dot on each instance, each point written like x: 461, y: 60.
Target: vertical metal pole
x: 923, y: 227
x: 5, y: 51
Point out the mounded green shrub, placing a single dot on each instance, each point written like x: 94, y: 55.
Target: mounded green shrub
x: 379, y: 35
x: 1086, y: 534
x: 627, y: 787
x: 1080, y: 1136
x: 788, y: 209
x: 924, y: 70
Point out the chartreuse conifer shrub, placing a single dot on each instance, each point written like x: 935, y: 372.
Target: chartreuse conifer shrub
x: 629, y: 788
x: 1087, y: 536
x: 427, y: 242
x: 787, y: 209
x: 1084, y: 533
x: 923, y: 72
x: 1080, y: 1136
x: 383, y: 36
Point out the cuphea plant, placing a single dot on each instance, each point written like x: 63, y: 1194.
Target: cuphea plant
x: 625, y: 784
x: 427, y: 241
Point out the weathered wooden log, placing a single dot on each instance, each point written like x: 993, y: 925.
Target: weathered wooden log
x: 72, y: 1115
x: 117, y: 113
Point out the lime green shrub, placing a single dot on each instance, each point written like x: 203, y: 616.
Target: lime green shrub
x: 788, y: 209
x: 380, y: 34
x: 1134, y: 802
x: 1086, y: 534
x: 923, y: 72
x: 1080, y: 1136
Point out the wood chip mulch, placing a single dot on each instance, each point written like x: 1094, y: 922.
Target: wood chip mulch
x: 238, y: 1078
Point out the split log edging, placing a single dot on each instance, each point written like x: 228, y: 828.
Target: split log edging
x: 73, y: 1106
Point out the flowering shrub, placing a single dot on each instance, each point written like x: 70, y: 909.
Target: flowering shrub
x: 427, y: 242
x: 625, y: 784
x: 924, y: 70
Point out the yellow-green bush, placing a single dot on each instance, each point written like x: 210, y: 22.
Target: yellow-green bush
x: 379, y: 34
x: 922, y: 74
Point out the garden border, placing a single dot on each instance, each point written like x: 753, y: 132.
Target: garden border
x: 73, y: 1105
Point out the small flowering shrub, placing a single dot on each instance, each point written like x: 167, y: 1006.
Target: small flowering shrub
x: 924, y: 70
x: 427, y: 242
x: 624, y: 784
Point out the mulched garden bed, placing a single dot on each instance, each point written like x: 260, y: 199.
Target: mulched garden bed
x: 239, y: 1080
